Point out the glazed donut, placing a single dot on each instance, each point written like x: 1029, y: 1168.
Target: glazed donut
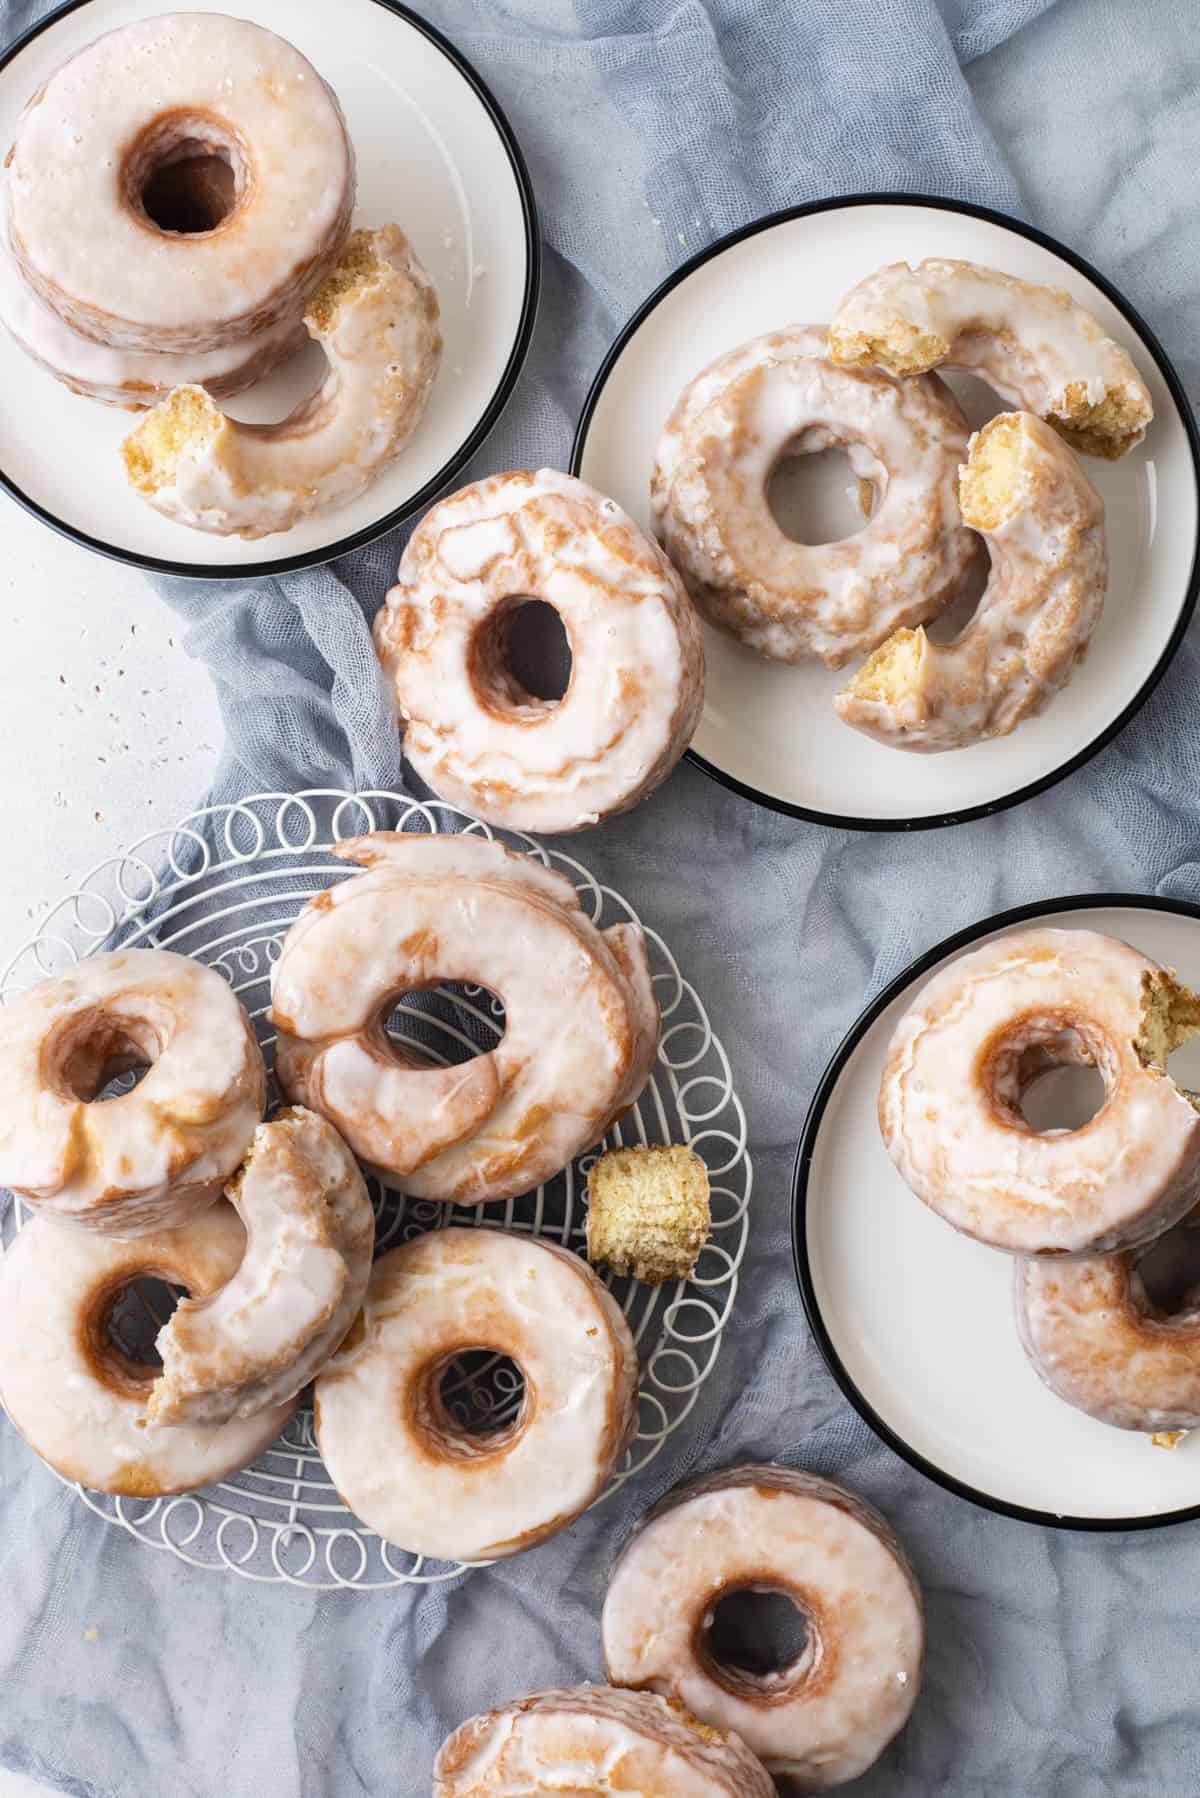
x: 77, y: 1400
x: 232, y: 103
x: 259, y: 1339
x: 581, y: 1019
x: 1043, y: 523
x: 830, y: 1714
x: 375, y: 316
x: 981, y: 1031
x: 777, y: 396
x: 471, y: 730
x: 1034, y: 345
x: 595, y: 1740
x: 394, y: 1452
x: 155, y: 1156
x: 1093, y: 1335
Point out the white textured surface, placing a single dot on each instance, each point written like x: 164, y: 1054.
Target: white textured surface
x: 108, y: 728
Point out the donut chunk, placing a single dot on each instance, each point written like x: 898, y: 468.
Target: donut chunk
x: 157, y: 1155
x: 182, y: 96
x: 77, y: 1400
x: 1036, y: 346
x: 982, y: 1029
x: 595, y: 1740
x: 260, y: 1338
x: 392, y: 1449
x: 778, y: 396
x: 471, y: 731
x: 375, y: 316
x: 1094, y: 1336
x: 581, y: 1027
x: 830, y: 1714
x: 648, y: 1211
x: 1043, y: 523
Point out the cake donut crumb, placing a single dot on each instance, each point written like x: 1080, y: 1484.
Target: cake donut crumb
x: 648, y: 1212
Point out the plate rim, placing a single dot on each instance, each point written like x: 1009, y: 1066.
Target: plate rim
x: 823, y: 1093
x: 1150, y: 342
x: 398, y: 515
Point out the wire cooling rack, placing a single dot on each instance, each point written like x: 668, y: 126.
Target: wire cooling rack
x: 223, y: 886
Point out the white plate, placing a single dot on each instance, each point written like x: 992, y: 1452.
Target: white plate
x: 436, y: 156
x: 916, y: 1321
x: 769, y: 731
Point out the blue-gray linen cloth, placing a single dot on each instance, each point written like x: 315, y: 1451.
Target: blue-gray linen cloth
x: 1058, y: 1664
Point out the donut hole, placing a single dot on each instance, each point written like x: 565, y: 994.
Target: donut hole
x: 759, y: 1636
x: 471, y: 1402
x: 1047, y: 1075
x: 97, y: 1058
x: 816, y: 493
x: 186, y: 174
x: 122, y: 1326
x: 1169, y: 1272
x: 519, y: 659
x: 1062, y: 1098
x: 447, y: 1024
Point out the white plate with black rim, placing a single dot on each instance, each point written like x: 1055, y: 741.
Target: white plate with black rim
x: 437, y: 157
x: 916, y: 1321
x: 769, y: 731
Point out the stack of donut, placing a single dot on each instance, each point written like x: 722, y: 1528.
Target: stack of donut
x: 1079, y: 1208
x: 269, y: 1227
x: 930, y: 495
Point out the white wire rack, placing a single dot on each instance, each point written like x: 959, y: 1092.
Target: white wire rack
x: 223, y: 886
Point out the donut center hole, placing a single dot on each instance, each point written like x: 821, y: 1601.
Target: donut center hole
x: 1047, y: 1076
x: 820, y: 491
x: 100, y: 1058
x: 1169, y: 1271
x: 519, y: 659
x: 186, y: 174
x: 757, y: 1637
x: 471, y: 1403
x: 445, y: 1025
x: 1062, y: 1098
x: 123, y: 1330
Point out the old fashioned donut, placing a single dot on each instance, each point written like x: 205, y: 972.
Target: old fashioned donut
x: 375, y: 316
x: 779, y: 396
x: 1093, y: 1334
x: 981, y: 1031
x: 1036, y: 346
x: 80, y: 1402
x: 393, y: 1450
x: 185, y: 96
x: 581, y: 1019
x: 830, y: 1714
x: 155, y: 1156
x: 595, y: 1740
x: 260, y: 1338
x: 471, y: 730
x: 1043, y: 523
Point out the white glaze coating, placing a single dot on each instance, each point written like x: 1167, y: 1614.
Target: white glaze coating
x: 581, y: 1020
x: 400, y: 1462
x: 82, y: 1406
x: 83, y: 241
x: 383, y: 347
x: 827, y: 1717
x: 594, y: 1741
x: 949, y: 1098
x: 264, y: 1335
x: 1036, y: 346
x: 1032, y: 626
x: 155, y: 1156
x: 637, y: 675
x: 1097, y: 1341
x: 780, y: 395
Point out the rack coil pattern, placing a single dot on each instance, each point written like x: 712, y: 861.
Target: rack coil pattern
x: 223, y: 886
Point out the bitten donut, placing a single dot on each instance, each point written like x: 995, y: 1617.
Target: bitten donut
x: 197, y: 95
x: 595, y: 1740
x: 981, y: 1031
x: 375, y: 316
x: 158, y: 1154
x: 1036, y: 346
x: 779, y: 396
x: 581, y: 1027
x: 79, y: 1401
x: 397, y: 1456
x: 1097, y: 1340
x: 260, y: 1338
x: 471, y: 730
x: 830, y: 1714
x: 1043, y: 522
